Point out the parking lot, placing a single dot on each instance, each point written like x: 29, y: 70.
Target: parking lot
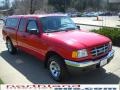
x: 93, y: 23
x: 24, y: 68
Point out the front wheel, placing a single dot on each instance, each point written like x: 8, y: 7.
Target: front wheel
x: 57, y: 68
x: 10, y: 47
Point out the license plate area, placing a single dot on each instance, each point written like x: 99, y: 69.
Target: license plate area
x: 103, y: 62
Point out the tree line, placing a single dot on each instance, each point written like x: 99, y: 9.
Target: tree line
x: 48, y: 6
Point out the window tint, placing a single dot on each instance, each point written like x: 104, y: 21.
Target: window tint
x: 22, y: 24
x: 50, y: 23
x: 12, y: 22
x: 32, y: 25
x: 57, y: 23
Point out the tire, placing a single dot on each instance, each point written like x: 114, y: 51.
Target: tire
x: 57, y: 68
x: 10, y: 47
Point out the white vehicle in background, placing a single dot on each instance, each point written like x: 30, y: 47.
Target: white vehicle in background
x: 90, y: 14
x: 72, y: 14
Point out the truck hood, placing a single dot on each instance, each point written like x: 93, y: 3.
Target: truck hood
x: 79, y: 39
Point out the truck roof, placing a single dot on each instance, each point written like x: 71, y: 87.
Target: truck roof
x: 37, y: 15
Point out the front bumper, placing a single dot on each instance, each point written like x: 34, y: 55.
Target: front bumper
x: 104, y: 61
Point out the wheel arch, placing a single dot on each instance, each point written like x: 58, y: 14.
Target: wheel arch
x: 7, y: 38
x: 50, y: 53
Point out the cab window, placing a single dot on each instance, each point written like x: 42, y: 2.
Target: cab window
x: 12, y: 22
x: 22, y: 25
x: 32, y: 25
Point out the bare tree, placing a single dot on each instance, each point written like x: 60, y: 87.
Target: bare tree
x: 22, y: 6
x: 32, y: 6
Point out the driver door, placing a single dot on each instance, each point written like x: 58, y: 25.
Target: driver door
x: 33, y: 42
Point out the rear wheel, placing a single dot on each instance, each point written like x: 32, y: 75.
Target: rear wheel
x: 57, y: 68
x: 10, y: 47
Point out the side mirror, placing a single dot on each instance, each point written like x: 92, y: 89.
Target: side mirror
x: 33, y: 31
x: 78, y: 27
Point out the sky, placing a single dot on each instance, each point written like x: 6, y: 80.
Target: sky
x: 3, y: 1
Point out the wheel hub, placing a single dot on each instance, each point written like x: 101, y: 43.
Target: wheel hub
x: 55, y: 69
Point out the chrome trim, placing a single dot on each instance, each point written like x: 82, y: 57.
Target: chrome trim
x: 88, y: 63
x: 100, y: 50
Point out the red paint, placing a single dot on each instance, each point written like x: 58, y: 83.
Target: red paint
x: 63, y: 43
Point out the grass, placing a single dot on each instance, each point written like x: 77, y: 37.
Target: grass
x: 1, y: 82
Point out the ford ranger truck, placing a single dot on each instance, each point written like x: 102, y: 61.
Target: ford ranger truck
x: 57, y: 41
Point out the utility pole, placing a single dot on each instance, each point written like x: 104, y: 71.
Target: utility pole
x: 31, y: 6
x: 107, y: 4
x: 64, y: 6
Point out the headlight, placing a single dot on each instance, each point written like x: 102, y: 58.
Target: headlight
x: 79, y: 53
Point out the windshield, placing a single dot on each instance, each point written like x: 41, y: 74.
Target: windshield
x: 57, y: 23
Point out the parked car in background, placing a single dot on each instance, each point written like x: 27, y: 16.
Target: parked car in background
x: 99, y: 13
x: 58, y: 42
x: 89, y: 14
x: 3, y: 17
x: 79, y: 14
x: 119, y: 14
x: 74, y: 14
x: 106, y: 13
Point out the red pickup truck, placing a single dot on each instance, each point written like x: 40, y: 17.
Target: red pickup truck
x: 56, y: 40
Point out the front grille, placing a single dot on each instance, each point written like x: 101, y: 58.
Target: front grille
x: 100, y: 50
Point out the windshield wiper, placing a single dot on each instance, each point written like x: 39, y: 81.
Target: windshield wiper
x: 60, y: 29
x: 70, y: 28
x: 67, y: 29
x: 51, y: 30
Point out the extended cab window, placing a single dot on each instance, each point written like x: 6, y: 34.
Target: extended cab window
x: 11, y: 22
x: 32, y: 25
x: 22, y: 24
